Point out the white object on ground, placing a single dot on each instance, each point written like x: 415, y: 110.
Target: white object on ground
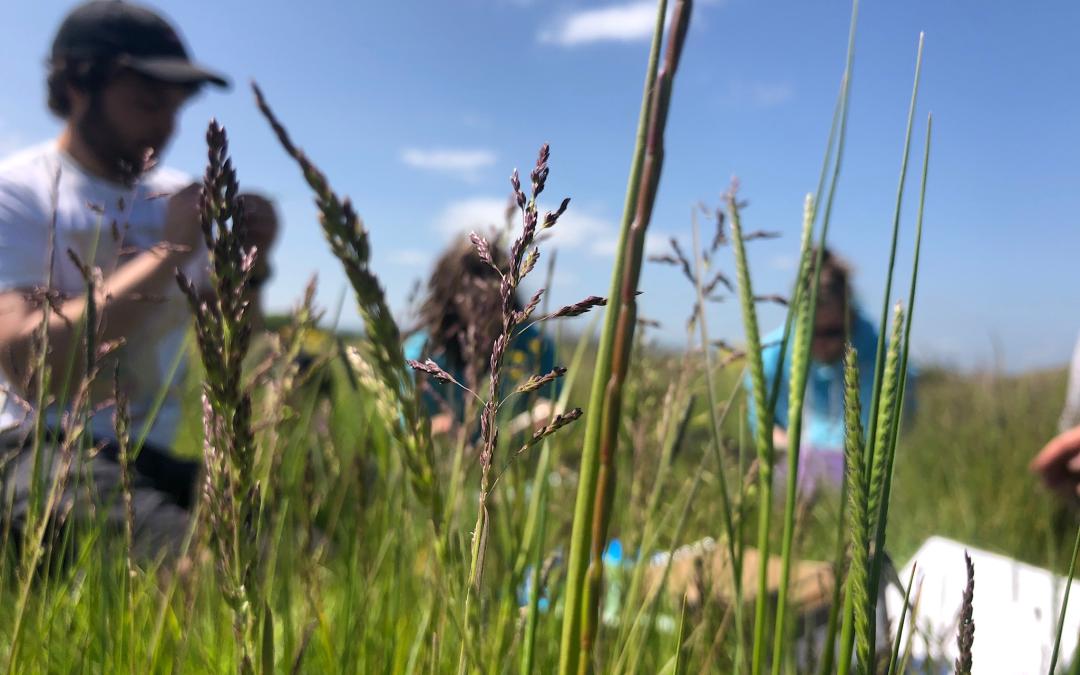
x: 1015, y: 610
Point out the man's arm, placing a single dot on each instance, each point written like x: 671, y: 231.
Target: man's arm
x: 121, y: 299
x: 1058, y: 463
x: 121, y: 303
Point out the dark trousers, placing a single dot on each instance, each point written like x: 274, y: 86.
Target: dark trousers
x: 163, y: 489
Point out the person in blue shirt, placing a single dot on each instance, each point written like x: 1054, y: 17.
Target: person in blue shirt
x: 459, y: 320
x: 838, y: 320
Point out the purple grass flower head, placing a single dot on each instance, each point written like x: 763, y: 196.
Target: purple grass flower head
x: 537, y: 381
x: 552, y: 217
x: 433, y: 369
x: 579, y: 308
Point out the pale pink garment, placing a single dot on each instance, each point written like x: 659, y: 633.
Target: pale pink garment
x: 818, y: 470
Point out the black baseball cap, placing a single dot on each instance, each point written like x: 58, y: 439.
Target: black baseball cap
x: 132, y: 36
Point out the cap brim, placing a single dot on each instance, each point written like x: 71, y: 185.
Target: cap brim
x: 175, y: 71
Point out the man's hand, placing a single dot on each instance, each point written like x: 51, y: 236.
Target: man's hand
x: 182, y: 227
x: 442, y: 423
x: 261, y: 220
x: 1058, y: 464
x: 262, y: 229
x: 779, y: 439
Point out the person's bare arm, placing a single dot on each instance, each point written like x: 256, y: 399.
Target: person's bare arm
x: 1058, y: 463
x: 125, y: 296
x: 121, y: 299
x: 121, y: 302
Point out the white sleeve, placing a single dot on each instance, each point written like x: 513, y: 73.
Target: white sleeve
x: 24, y: 237
x: 1070, y: 416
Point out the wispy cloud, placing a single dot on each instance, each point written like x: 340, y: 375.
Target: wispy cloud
x: 654, y: 244
x: 762, y: 94
x: 628, y: 22
x: 784, y: 263
x: 409, y: 257
x: 576, y: 230
x: 462, y: 162
x: 477, y: 213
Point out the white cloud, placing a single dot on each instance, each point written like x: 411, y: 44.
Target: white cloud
x: 463, y: 162
x: 576, y: 230
x: 614, y: 23
x: 762, y: 94
x: 566, y: 279
x: 477, y: 213
x: 655, y: 244
x: 784, y: 263
x: 409, y: 257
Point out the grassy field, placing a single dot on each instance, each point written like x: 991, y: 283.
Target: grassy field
x: 354, y: 584
x: 337, y: 533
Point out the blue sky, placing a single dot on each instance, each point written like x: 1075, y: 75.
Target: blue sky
x: 420, y: 110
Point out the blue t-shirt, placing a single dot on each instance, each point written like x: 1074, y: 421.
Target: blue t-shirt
x: 530, y: 353
x: 823, y: 404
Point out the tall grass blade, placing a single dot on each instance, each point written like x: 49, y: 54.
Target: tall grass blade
x: 652, y: 606
x: 580, y: 538
x: 727, y: 509
x: 1064, y: 604
x: 532, y: 616
x: 803, y: 310
x: 267, y: 653
x: 868, y: 452
x: 894, y: 658
x: 349, y: 242
x: 625, y: 306
x: 890, y: 387
x: 856, y: 623
x: 762, y: 432
x: 680, y: 645
x: 836, y: 606
x: 680, y: 414
x: 882, y: 518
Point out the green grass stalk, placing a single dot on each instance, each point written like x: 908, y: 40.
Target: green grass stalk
x: 868, y: 452
x: 894, y: 658
x: 580, y: 541
x: 842, y: 113
x: 762, y: 432
x: 717, y: 445
x: 543, y: 465
x: 652, y: 606
x: 623, y: 336
x: 678, y: 419
x: 532, y: 616
x: 856, y: 622
x: 803, y: 309
x: 680, y: 644
x: 828, y: 656
x: 882, y: 517
x: 350, y: 244
x: 890, y: 388
x: 1064, y: 605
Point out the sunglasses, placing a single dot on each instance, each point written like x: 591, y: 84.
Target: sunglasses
x: 830, y: 332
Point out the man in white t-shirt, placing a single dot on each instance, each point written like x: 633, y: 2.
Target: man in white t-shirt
x: 118, y: 77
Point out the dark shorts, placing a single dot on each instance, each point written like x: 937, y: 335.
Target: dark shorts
x: 163, y: 489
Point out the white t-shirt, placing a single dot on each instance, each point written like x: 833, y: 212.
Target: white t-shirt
x: 1070, y: 415
x: 98, y: 220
